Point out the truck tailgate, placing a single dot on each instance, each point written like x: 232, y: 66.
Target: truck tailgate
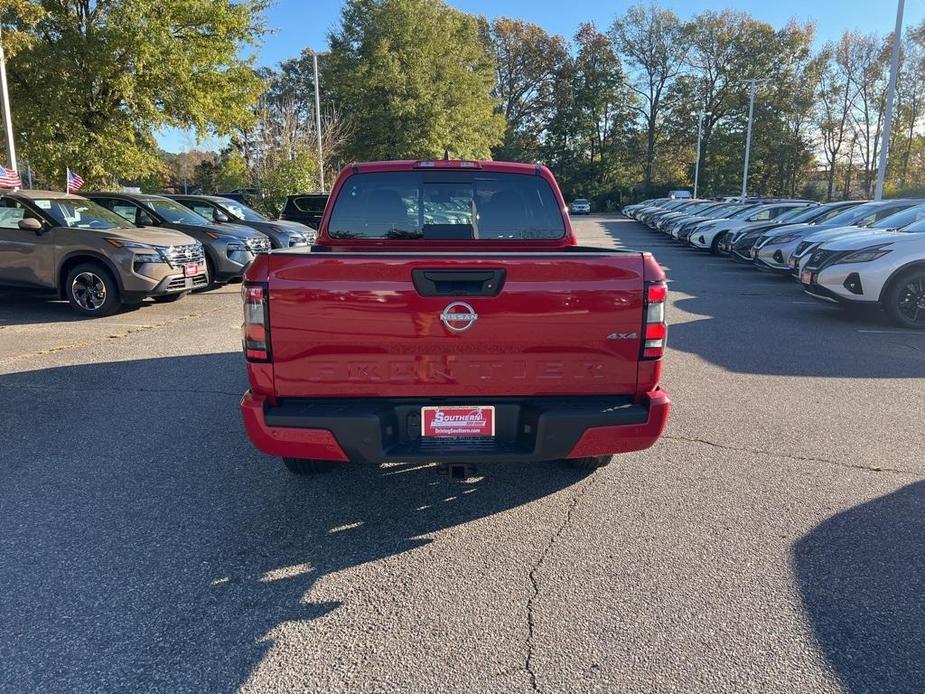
x: 455, y: 324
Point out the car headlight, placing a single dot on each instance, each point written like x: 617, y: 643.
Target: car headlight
x: 143, y: 252
x: 297, y: 240
x: 235, y: 247
x: 142, y: 258
x: 865, y: 255
x: 778, y: 240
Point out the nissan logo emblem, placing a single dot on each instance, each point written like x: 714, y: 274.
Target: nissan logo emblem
x: 458, y: 317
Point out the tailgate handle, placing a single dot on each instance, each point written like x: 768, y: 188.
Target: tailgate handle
x: 458, y: 282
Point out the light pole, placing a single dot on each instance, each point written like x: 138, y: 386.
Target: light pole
x: 891, y: 91
x: 7, y: 118
x: 318, y: 120
x: 700, y: 115
x: 753, y: 84
x: 748, y: 137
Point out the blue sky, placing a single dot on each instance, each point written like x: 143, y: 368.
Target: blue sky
x: 296, y: 24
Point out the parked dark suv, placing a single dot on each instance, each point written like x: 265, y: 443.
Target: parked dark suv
x: 229, y: 248
x: 221, y: 210
x: 306, y: 208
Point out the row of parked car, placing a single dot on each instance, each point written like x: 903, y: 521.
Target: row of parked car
x: 102, y: 251
x: 853, y: 252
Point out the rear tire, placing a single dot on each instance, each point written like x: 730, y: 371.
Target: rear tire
x: 905, y: 300
x: 168, y: 298
x: 714, y: 247
x: 592, y: 463
x: 298, y: 466
x: 92, y: 291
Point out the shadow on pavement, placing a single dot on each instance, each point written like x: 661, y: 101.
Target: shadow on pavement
x: 145, y: 545
x: 861, y: 575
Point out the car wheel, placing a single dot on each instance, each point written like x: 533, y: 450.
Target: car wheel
x: 298, y: 466
x: 905, y: 300
x: 168, y: 298
x: 714, y: 247
x: 592, y: 463
x: 91, y: 290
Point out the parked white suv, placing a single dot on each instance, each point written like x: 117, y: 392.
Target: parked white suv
x: 871, y: 267
x: 883, y: 215
x: 581, y: 206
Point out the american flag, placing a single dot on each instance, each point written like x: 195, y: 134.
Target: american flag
x: 9, y: 178
x: 74, y: 182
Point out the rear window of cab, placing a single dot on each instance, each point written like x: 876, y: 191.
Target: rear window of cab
x: 446, y: 205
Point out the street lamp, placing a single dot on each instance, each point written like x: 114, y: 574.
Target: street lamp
x: 700, y: 116
x: 891, y: 91
x: 318, y: 120
x: 748, y: 137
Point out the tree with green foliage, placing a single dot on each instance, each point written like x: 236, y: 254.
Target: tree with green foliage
x: 92, y: 82
x: 588, y: 135
x: 653, y: 41
x: 527, y: 63
x: 415, y: 78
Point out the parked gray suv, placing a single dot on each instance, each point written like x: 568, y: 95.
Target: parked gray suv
x: 282, y: 234
x: 69, y: 247
x: 229, y: 248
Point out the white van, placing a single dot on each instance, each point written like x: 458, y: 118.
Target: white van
x: 680, y: 194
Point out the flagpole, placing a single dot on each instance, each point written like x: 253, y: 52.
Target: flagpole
x: 67, y: 180
x: 7, y: 118
x: 29, y: 173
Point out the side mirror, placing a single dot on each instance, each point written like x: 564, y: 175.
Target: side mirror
x: 220, y: 217
x: 31, y: 224
x: 144, y: 220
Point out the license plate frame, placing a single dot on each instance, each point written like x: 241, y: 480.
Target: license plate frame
x: 468, y: 422
x: 192, y: 269
x: 807, y: 277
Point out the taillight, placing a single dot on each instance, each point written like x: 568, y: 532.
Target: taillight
x: 655, y: 328
x: 256, y: 328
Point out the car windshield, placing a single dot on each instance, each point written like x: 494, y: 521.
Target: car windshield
x: 832, y: 213
x: 744, y: 212
x: 901, y: 219
x: 241, y: 211
x: 80, y: 214
x: 446, y: 205
x: 720, y: 210
x: 581, y: 201
x: 915, y: 228
x: 175, y: 213
x: 800, y: 214
x: 853, y: 215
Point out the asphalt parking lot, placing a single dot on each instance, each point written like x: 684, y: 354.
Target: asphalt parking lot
x: 771, y: 541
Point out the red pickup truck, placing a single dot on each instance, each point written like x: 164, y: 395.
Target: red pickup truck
x: 446, y: 313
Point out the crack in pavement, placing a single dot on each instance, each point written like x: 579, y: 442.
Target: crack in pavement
x: 531, y: 623
x: 790, y: 456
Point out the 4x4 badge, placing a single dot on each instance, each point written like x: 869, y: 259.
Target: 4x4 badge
x: 623, y: 336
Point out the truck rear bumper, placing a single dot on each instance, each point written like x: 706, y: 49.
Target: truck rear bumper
x: 381, y: 430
